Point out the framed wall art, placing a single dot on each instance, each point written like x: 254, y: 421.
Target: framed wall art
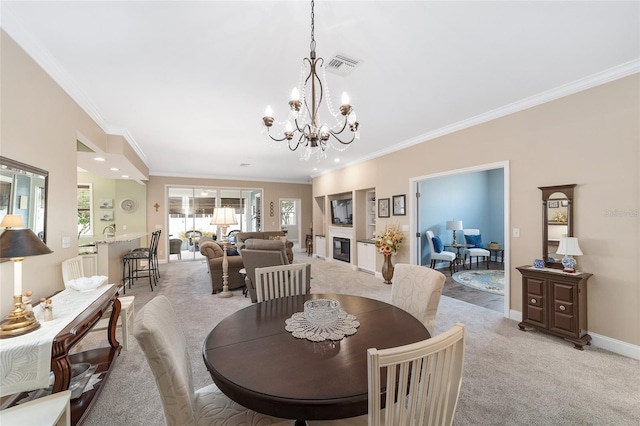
x: 106, y: 203
x: 383, y: 207
x: 399, y: 205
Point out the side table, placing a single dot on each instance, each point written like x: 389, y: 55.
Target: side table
x: 494, y: 252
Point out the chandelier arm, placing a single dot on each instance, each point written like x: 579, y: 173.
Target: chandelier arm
x: 335, y: 135
x: 275, y: 139
x: 297, y: 143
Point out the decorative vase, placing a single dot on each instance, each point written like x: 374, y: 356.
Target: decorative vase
x: 387, y: 269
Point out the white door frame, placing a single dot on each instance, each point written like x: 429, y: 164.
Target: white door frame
x: 415, y: 248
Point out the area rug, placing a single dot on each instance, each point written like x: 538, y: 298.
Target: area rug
x: 489, y: 281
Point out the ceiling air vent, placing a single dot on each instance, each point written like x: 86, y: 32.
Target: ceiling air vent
x: 341, y: 64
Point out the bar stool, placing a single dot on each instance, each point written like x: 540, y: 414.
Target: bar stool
x: 143, y: 260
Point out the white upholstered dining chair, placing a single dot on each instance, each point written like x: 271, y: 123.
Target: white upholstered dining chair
x: 428, y: 376
x: 473, y: 236
x: 72, y: 269
x: 282, y: 280
x: 164, y: 345
x: 417, y: 290
x: 447, y: 256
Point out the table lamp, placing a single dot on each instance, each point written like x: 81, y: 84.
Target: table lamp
x: 454, y: 225
x: 16, y: 244
x: 223, y: 217
x: 569, y: 247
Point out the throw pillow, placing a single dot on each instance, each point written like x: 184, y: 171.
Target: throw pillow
x: 437, y: 244
x: 232, y: 252
x: 474, y: 240
x: 274, y: 237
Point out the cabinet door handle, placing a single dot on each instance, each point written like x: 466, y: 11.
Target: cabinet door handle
x: 534, y: 301
x: 562, y: 308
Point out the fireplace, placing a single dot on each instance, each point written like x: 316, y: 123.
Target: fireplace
x: 342, y: 249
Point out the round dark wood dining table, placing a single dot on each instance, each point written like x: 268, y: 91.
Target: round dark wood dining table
x: 257, y: 363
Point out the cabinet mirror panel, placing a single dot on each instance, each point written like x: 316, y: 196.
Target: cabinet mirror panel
x: 557, y: 221
x: 23, y: 191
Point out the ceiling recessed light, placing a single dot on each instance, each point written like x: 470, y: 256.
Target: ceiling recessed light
x: 114, y: 169
x: 99, y: 159
x: 125, y: 176
x: 337, y: 160
x: 315, y: 169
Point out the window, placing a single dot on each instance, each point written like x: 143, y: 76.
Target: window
x: 85, y: 211
x: 288, y: 212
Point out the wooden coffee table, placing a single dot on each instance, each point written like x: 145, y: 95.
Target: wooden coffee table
x: 257, y: 363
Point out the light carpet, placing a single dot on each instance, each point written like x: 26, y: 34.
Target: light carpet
x: 511, y: 377
x: 491, y: 281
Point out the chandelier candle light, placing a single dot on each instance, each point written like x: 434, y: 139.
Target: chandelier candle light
x: 16, y: 244
x: 312, y: 136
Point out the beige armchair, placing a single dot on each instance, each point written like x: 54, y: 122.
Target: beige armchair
x: 259, y: 254
x: 214, y: 254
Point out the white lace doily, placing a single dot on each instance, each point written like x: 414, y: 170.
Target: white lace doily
x: 301, y: 328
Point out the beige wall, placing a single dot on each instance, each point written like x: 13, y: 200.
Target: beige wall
x: 272, y: 192
x: 591, y: 139
x: 39, y: 125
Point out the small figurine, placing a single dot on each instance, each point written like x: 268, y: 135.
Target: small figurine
x: 26, y: 301
x: 48, y: 309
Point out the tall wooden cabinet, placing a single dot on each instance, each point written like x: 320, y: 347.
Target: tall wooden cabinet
x: 555, y: 302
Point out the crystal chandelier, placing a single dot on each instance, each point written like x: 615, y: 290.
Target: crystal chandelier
x: 304, y: 112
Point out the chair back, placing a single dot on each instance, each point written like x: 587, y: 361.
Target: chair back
x: 281, y: 281
x: 162, y: 341
x: 417, y: 290
x: 155, y: 239
x: 175, y: 244
x: 72, y: 269
x: 427, y: 377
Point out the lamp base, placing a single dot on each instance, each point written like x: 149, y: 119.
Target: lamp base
x: 569, y: 264
x: 19, y: 321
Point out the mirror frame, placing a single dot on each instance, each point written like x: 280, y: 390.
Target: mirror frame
x: 547, y: 191
x: 9, y: 164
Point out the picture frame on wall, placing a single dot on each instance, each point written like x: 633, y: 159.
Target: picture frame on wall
x: 106, y: 203
x: 383, y: 207
x: 106, y: 215
x: 399, y: 205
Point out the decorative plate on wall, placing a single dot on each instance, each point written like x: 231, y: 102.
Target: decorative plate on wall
x: 128, y: 205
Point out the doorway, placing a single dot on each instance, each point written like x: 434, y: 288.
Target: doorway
x: 427, y: 213
x: 191, y: 211
x: 290, y: 220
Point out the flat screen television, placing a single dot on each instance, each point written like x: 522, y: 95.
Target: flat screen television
x: 342, y: 212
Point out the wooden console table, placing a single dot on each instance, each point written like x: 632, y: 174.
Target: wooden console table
x: 103, y: 358
x: 555, y: 302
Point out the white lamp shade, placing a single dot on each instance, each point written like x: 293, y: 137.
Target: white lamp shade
x: 224, y: 216
x: 569, y: 246
x: 12, y: 221
x: 454, y: 225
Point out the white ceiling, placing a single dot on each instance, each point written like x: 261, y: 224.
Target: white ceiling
x: 187, y: 82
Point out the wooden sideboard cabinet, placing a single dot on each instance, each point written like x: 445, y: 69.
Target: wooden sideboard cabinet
x: 555, y: 302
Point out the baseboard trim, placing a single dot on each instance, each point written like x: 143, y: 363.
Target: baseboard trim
x: 617, y: 346
x: 599, y: 341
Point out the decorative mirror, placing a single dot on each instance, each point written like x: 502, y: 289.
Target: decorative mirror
x: 557, y: 221
x: 23, y: 191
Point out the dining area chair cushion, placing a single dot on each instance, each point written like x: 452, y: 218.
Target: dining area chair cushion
x: 164, y: 345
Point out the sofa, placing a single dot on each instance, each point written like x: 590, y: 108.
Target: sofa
x: 214, y: 254
x: 242, y: 237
